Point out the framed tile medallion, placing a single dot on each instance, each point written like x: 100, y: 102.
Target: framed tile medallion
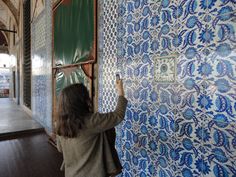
x: 165, y: 68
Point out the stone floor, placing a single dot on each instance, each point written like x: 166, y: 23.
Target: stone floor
x: 14, y: 120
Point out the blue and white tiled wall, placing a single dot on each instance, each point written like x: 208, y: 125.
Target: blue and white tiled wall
x: 41, y: 54
x: 183, y: 124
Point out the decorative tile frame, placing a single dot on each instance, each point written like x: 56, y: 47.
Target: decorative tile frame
x: 165, y: 68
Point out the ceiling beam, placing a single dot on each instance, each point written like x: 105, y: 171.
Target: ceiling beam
x: 7, y: 30
x: 3, y: 26
x: 12, y: 9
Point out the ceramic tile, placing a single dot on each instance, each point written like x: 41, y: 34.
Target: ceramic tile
x: 41, y: 68
x: 219, y: 7
x: 167, y: 130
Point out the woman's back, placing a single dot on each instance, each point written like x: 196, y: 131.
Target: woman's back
x: 83, y: 155
x: 91, y: 153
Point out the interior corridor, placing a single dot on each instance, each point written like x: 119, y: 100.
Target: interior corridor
x: 13, y: 120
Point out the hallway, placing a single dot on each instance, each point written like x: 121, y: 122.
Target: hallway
x: 14, y: 120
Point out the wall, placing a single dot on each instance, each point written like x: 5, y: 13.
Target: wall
x: 41, y: 54
x: 180, y: 127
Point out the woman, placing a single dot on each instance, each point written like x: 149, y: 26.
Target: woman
x: 87, y: 139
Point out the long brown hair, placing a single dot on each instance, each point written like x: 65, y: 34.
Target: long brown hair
x: 74, y: 105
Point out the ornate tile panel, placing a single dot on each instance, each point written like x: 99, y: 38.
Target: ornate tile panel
x: 41, y: 55
x: 185, y: 128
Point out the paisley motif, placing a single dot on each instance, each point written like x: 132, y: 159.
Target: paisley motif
x: 192, y: 21
x: 223, y: 50
x: 219, y: 155
x: 220, y: 171
x: 162, y: 162
x: 224, y: 11
x: 222, y: 85
x: 207, y: 4
x: 186, y: 159
x: 221, y: 120
x: 189, y: 114
x: 187, y: 172
x: 190, y: 53
x: 190, y: 38
x: 221, y: 139
x: 162, y: 135
x: 189, y: 83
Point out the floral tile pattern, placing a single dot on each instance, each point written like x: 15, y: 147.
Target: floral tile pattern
x: 186, y: 127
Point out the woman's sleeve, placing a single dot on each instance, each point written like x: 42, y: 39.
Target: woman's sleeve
x: 100, y: 122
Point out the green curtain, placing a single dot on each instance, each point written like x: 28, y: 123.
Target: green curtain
x: 76, y: 76
x: 73, y: 39
x: 73, y: 31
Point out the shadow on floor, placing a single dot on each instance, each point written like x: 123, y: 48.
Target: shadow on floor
x: 29, y: 156
x: 13, y: 120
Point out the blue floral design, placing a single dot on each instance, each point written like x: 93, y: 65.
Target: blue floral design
x: 192, y: 21
x: 162, y: 162
x: 187, y: 172
x: 190, y: 53
x: 187, y: 143
x: 122, y: 10
x: 223, y: 50
x: 222, y: 85
x: 151, y: 169
x: 165, y: 29
x: 146, y: 29
x: 165, y: 3
x: 175, y: 98
x: 219, y: 155
x: 153, y: 96
x: 174, y: 154
x: 144, y: 129
x: 189, y: 114
x: 207, y: 4
x: 155, y: 45
x: 206, y: 36
x: 155, y: 20
x: 205, y: 69
x: 135, y: 160
x: 143, y: 153
x: 202, y: 166
x: 153, y: 145
x: 220, y: 171
x: 202, y: 134
x: 225, y: 10
x: 177, y: 40
x: 153, y: 121
x: 177, y: 11
x: 162, y: 135
x: 221, y: 120
x: 189, y: 83
x: 163, y: 109
x: 204, y: 101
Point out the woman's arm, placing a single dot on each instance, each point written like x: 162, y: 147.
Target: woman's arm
x: 103, y: 121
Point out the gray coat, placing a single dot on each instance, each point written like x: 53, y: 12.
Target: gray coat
x: 92, y: 153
